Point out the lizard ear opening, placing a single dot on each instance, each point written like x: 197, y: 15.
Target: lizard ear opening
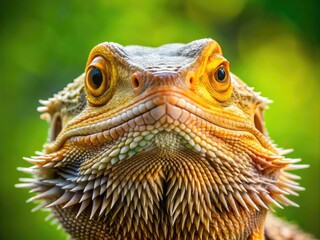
x: 258, y: 121
x: 56, y: 126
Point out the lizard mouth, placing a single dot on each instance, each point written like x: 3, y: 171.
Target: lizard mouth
x: 161, y: 120
x: 160, y: 110
x: 136, y: 127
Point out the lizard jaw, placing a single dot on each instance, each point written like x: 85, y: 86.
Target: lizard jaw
x: 184, y: 155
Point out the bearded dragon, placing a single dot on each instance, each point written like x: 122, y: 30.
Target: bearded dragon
x: 161, y: 143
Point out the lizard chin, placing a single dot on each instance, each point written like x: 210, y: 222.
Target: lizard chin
x: 193, y: 180
x: 169, y: 182
x: 171, y: 185
x: 168, y: 141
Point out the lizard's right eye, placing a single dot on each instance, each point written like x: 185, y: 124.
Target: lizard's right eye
x: 98, y: 80
x: 95, y: 78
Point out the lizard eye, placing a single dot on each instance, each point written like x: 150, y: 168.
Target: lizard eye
x: 95, y: 78
x: 220, y: 78
x: 220, y: 75
x: 220, y: 81
x: 98, y: 80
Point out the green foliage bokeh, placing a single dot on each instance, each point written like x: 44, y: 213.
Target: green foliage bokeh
x: 272, y: 45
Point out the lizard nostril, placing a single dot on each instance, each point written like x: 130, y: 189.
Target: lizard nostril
x: 190, y: 80
x: 136, y: 80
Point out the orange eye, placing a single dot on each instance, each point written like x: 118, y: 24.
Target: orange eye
x: 221, y: 74
x: 220, y: 78
x: 96, y: 82
x: 98, y: 77
x: 220, y: 81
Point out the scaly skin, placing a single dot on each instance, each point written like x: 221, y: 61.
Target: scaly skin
x: 159, y: 143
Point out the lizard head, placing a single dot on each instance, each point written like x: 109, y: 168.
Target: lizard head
x: 165, y: 135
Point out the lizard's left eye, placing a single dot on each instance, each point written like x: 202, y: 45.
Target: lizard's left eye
x: 220, y: 81
x: 221, y: 74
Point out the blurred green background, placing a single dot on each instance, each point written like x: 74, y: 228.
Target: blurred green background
x: 272, y: 45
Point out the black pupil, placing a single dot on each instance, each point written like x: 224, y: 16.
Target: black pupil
x: 96, y: 77
x: 221, y: 74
